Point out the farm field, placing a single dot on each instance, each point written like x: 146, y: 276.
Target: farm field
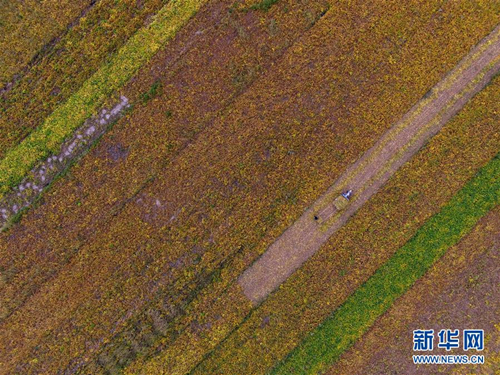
x: 69, y: 62
x: 34, y: 277
x: 114, y: 175
x: 469, y: 270
x: 28, y: 29
x: 138, y: 256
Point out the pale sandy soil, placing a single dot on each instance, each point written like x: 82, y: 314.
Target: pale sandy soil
x: 369, y: 173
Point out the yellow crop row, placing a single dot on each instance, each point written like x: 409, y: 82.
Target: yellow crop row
x: 110, y: 77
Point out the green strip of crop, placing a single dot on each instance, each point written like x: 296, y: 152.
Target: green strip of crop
x: 111, y: 76
x: 359, y: 312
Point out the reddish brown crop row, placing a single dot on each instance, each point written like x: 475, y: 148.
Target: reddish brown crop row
x: 71, y: 60
x: 237, y: 186
x: 459, y: 291
x: 77, y: 207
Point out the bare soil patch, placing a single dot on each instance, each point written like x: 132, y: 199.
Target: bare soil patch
x: 370, y: 172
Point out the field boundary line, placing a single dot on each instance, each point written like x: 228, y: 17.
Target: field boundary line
x: 345, y: 325
x: 109, y: 78
x: 370, y: 172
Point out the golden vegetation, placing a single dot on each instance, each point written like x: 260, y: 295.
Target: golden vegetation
x: 27, y: 26
x: 224, y: 199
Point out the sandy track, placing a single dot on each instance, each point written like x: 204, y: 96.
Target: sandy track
x: 369, y: 173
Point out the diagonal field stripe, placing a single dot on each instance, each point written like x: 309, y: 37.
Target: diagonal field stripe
x: 109, y: 78
x: 359, y: 312
x: 365, y: 177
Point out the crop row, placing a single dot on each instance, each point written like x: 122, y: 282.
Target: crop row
x: 410, y: 262
x: 353, y: 254
x: 207, y: 187
x: 110, y: 77
x: 79, y: 205
x: 71, y: 61
x: 27, y: 29
x: 461, y: 281
x: 248, y: 52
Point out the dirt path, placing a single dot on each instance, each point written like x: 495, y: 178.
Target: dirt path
x: 187, y: 59
x: 369, y: 173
